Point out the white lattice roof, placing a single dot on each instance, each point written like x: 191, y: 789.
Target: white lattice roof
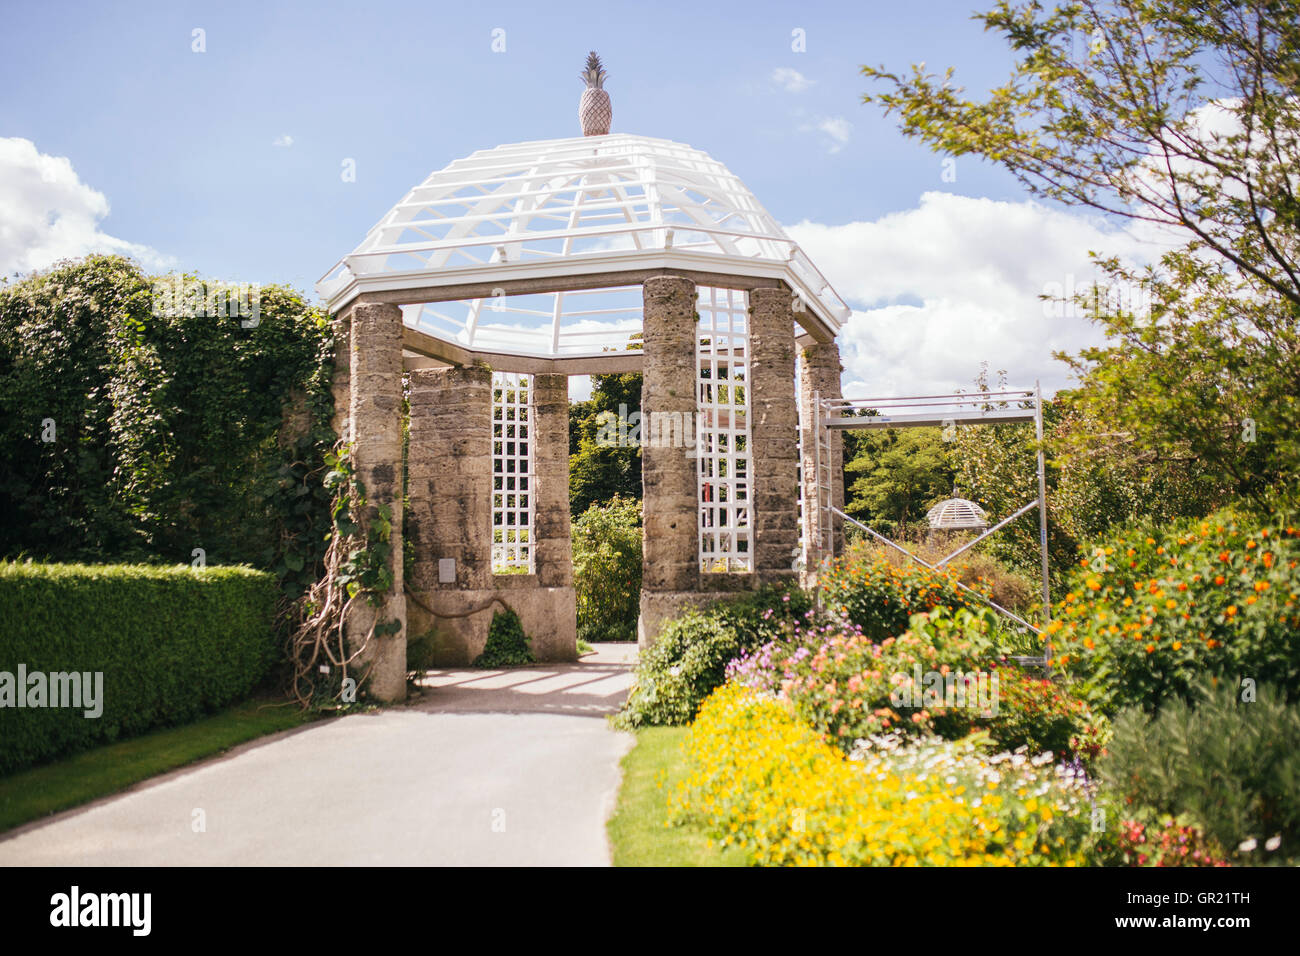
x: 586, y: 206
x: 957, y: 513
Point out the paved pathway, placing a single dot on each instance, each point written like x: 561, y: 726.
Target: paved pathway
x: 511, y: 767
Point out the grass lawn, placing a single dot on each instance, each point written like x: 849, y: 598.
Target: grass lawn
x: 38, y: 792
x: 636, y: 830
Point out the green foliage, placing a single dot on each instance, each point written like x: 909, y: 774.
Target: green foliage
x: 600, y: 468
x: 1179, y: 113
x: 171, y: 432
x: 894, y: 476
x: 1152, y: 609
x: 173, y: 643
x: 607, y: 570
x: 880, y: 598
x: 1086, y: 494
x: 507, y: 645
x: 688, y: 660
x: 945, y: 675
x: 1232, y: 767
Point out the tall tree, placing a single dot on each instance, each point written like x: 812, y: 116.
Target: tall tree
x: 604, y: 461
x: 1182, y: 115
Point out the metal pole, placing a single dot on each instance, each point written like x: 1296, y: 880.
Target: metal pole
x: 997, y: 527
x: 1042, y: 520
x: 925, y: 564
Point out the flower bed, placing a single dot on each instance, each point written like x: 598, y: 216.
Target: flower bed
x: 761, y: 778
x: 943, y: 676
x: 1152, y: 611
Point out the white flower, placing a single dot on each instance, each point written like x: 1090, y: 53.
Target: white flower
x: 1248, y: 846
x: 1273, y: 843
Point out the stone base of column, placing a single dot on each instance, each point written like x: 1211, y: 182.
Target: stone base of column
x: 548, y: 616
x: 384, y: 659
x: 660, y: 607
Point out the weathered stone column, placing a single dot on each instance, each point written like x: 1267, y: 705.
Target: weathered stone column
x: 375, y: 415
x: 819, y: 373
x: 774, y: 487
x: 553, y: 555
x: 450, y: 477
x: 669, y: 469
x: 341, y: 383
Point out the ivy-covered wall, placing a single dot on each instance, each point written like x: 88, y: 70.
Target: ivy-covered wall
x: 127, y: 435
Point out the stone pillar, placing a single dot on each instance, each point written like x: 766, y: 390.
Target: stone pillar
x: 451, y: 518
x: 450, y: 477
x: 553, y: 554
x: 340, y: 385
x: 819, y: 372
x: 773, y: 423
x: 375, y: 416
x: 669, y: 469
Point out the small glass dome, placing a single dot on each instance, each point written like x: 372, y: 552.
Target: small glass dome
x: 957, y: 514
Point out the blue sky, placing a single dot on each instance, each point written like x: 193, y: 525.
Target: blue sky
x: 182, y: 146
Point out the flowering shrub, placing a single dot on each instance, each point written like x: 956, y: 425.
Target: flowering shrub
x: 690, y: 656
x: 1149, y: 612
x: 760, y: 778
x: 1230, y: 766
x: 880, y: 598
x: 848, y: 687
x: 1167, y: 843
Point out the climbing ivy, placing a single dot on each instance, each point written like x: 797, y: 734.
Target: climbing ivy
x: 357, y: 566
x: 128, y: 433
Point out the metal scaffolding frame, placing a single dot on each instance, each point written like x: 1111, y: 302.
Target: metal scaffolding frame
x: 934, y: 411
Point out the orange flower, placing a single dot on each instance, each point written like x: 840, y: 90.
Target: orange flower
x: 1151, y: 648
x: 1231, y: 611
x: 1176, y: 645
x: 1219, y: 579
x: 1261, y: 585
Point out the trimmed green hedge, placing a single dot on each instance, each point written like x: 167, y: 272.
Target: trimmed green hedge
x: 173, y: 643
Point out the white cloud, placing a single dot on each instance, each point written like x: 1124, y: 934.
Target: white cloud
x: 47, y: 213
x: 284, y: 140
x: 955, y: 281
x: 792, y: 81
x: 836, y: 129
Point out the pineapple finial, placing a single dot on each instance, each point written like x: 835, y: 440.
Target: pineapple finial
x: 594, y: 109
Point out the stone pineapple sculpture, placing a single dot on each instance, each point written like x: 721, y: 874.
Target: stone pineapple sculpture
x: 594, y: 109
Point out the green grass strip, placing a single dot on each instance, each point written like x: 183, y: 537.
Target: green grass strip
x: 638, y: 832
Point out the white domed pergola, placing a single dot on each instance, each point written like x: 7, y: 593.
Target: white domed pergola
x: 957, y: 514
x: 538, y: 250
x: 505, y: 272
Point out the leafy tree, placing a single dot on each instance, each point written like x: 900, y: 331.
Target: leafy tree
x: 167, y: 432
x: 895, y: 475
x: 599, y: 469
x: 1181, y: 115
x: 1086, y: 494
x: 607, y: 570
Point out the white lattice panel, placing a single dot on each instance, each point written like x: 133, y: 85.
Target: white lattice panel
x: 722, y: 438
x: 512, y: 474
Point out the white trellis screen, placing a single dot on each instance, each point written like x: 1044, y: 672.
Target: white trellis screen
x: 512, y: 474
x: 722, y: 439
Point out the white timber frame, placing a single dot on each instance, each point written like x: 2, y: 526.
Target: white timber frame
x: 512, y: 474
x: 538, y: 249
x: 722, y: 440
